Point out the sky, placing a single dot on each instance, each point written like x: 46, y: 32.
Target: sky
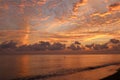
x: 87, y: 21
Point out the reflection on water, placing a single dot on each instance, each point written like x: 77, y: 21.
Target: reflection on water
x: 26, y: 65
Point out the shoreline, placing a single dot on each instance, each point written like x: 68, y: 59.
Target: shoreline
x: 66, y: 72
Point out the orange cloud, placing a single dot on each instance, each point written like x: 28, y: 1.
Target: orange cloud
x: 114, y: 7
x: 16, y: 35
x: 41, y: 2
x: 111, y: 9
x: 77, y: 20
x: 79, y: 4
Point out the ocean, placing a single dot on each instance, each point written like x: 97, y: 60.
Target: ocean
x: 52, y: 67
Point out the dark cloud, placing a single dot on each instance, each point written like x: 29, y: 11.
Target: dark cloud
x: 115, y: 5
x: 112, y: 44
x: 8, y: 44
x: 57, y: 46
x: 115, y: 41
x: 75, y: 46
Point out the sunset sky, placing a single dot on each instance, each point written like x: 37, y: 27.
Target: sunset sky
x: 87, y: 21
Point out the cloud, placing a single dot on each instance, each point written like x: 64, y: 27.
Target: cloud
x: 114, y: 41
x: 79, y: 4
x: 58, y: 20
x: 112, y: 44
x: 115, y: 7
x: 57, y: 46
x: 8, y: 44
x: 111, y: 9
x: 17, y: 35
x: 97, y: 46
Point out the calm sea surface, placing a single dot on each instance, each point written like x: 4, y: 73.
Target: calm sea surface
x: 15, y: 66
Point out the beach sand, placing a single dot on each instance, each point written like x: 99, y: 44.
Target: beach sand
x: 97, y: 74
x: 115, y: 76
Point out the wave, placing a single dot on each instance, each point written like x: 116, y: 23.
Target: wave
x: 64, y: 72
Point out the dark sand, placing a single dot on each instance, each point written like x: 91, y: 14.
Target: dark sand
x: 115, y: 76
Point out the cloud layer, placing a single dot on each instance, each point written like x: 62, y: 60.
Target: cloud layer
x: 28, y: 21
